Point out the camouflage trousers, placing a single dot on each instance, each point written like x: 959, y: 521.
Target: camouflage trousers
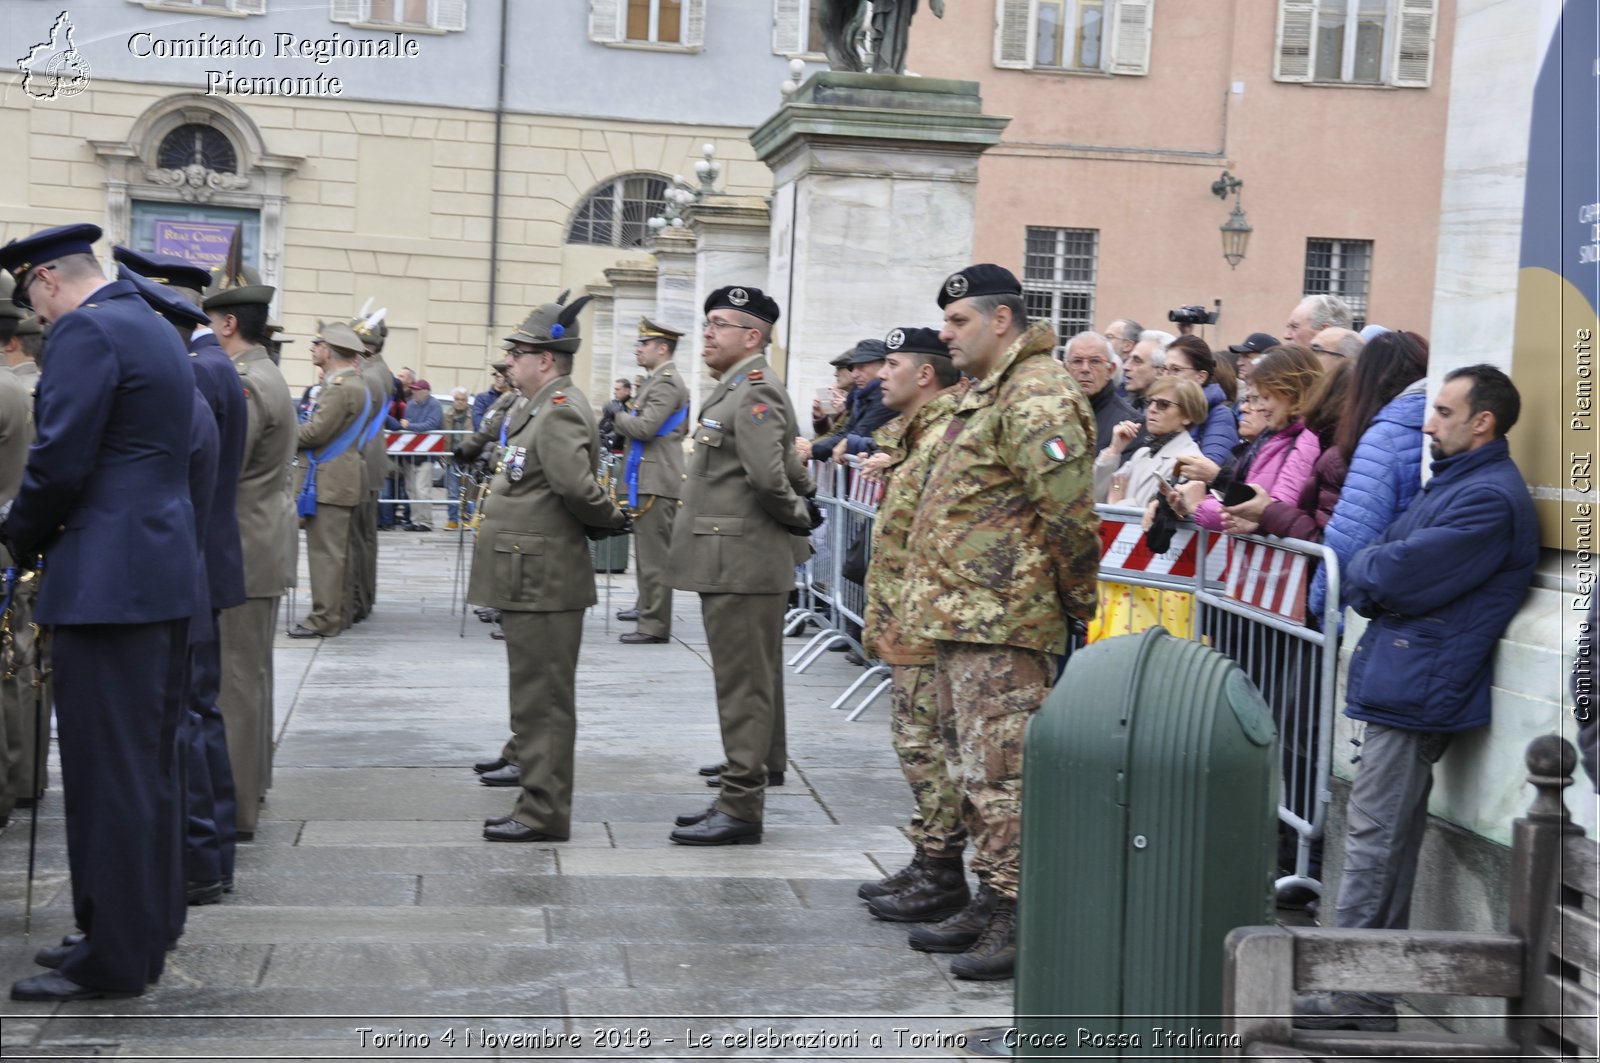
x: 930, y: 757
x: 991, y: 692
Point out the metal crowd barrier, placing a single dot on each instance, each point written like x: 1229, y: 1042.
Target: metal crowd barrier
x: 434, y: 445
x: 1242, y: 595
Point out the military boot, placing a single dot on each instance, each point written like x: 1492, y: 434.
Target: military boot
x: 957, y: 933
x: 892, y: 883
x: 994, y: 955
x: 940, y: 892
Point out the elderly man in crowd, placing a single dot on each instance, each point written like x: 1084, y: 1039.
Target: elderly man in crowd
x: 1313, y: 314
x: 1333, y: 345
x: 1094, y: 367
x: 1142, y: 366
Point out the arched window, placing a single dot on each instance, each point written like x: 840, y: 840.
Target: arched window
x: 614, y: 215
x: 195, y: 143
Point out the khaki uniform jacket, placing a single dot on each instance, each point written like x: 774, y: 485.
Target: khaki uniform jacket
x: 341, y: 481
x: 531, y: 554
x: 731, y: 535
x: 264, y: 476
x: 27, y: 371
x: 380, y: 385
x: 16, y: 431
x: 1005, y: 548
x: 913, y: 444
x: 487, y: 437
x: 661, y: 464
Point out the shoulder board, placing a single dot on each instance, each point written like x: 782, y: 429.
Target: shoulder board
x: 558, y: 399
x: 666, y: 372
x: 756, y: 375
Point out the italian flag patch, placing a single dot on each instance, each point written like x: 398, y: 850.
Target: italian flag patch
x: 1055, y: 449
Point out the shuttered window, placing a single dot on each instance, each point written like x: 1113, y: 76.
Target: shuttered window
x: 1357, y: 42
x: 1111, y: 36
x: 669, y: 23
x: 238, y: 7
x: 450, y: 15
x: 796, y: 29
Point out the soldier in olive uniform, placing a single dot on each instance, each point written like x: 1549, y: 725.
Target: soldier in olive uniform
x: 239, y: 321
x: 732, y: 543
x: 653, y: 474
x: 1003, y: 558
x: 363, y: 575
x: 329, y: 451
x: 19, y: 715
x: 532, y: 563
x: 924, y: 386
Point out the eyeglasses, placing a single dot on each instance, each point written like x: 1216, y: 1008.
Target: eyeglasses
x: 519, y: 351
x: 1162, y: 404
x: 21, y: 297
x: 1168, y: 369
x: 1319, y: 349
x: 712, y: 322
x: 1088, y: 363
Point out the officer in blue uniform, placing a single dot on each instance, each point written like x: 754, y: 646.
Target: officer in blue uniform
x: 105, y: 500
x: 209, y: 836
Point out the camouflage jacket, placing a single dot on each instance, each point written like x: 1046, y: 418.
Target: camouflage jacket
x: 1005, y: 547
x: 913, y: 444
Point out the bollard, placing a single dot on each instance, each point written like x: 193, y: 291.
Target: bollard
x: 1149, y: 831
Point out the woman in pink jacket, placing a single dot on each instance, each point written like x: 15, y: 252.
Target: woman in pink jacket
x: 1280, y: 461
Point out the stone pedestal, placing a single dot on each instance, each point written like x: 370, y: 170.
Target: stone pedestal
x: 633, y: 295
x: 731, y: 235
x: 601, y: 340
x: 876, y: 182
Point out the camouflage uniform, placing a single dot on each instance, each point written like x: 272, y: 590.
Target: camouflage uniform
x: 924, y: 740
x: 1003, y: 555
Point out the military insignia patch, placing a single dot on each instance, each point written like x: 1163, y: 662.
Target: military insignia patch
x: 759, y: 411
x: 709, y: 423
x: 738, y: 297
x: 558, y: 399
x: 895, y: 339
x: 516, y: 458
x: 956, y: 286
x: 1055, y: 448
x: 756, y: 375
x: 736, y: 381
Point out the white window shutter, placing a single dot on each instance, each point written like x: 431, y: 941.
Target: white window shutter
x: 1297, y: 40
x: 449, y: 14
x: 607, y: 19
x: 789, y: 27
x: 1130, y: 36
x: 1417, y: 24
x: 351, y: 11
x: 694, y: 23
x: 1013, y: 34
x: 250, y: 7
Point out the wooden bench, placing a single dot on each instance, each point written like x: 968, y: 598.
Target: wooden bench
x: 1544, y: 966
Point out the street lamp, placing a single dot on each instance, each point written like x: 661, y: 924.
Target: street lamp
x: 1235, y: 231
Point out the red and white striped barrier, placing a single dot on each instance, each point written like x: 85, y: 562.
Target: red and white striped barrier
x: 1268, y: 578
x: 418, y: 443
x: 1122, y: 546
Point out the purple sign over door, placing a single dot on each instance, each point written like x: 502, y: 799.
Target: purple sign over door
x: 204, y: 243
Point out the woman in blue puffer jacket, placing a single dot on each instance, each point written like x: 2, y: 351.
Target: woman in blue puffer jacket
x: 1381, y: 431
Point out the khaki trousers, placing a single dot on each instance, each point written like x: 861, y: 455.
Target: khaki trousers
x: 245, y: 701
x: 745, y: 635
x: 367, y: 575
x: 542, y: 655
x: 25, y: 711
x: 328, y: 558
x: 652, y: 535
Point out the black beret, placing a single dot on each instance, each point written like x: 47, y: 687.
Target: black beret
x: 752, y: 301
x: 20, y: 256
x: 169, y: 304
x: 985, y: 278
x: 916, y: 341
x: 164, y: 269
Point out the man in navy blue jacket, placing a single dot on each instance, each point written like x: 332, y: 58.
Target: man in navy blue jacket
x: 105, y: 499
x: 867, y: 411
x: 1440, y: 586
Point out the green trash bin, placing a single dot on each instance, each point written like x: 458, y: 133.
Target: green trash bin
x: 610, y: 555
x: 1149, y: 830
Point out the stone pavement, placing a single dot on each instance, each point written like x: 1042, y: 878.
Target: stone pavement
x: 369, y: 900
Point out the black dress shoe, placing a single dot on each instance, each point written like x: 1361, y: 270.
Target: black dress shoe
x: 628, y: 614
x: 774, y: 778
x: 55, y: 986
x: 718, y: 828
x: 498, y: 635
x: 73, y: 938
x: 689, y: 819
x: 53, y: 956
x: 512, y: 831
x: 713, y: 769
x: 510, y: 775
x: 490, y: 765
x: 639, y: 638
x: 495, y: 821
x: 205, y: 893
x: 300, y: 631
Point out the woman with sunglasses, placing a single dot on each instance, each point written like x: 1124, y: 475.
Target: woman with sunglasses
x: 1189, y: 358
x: 1172, y: 409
